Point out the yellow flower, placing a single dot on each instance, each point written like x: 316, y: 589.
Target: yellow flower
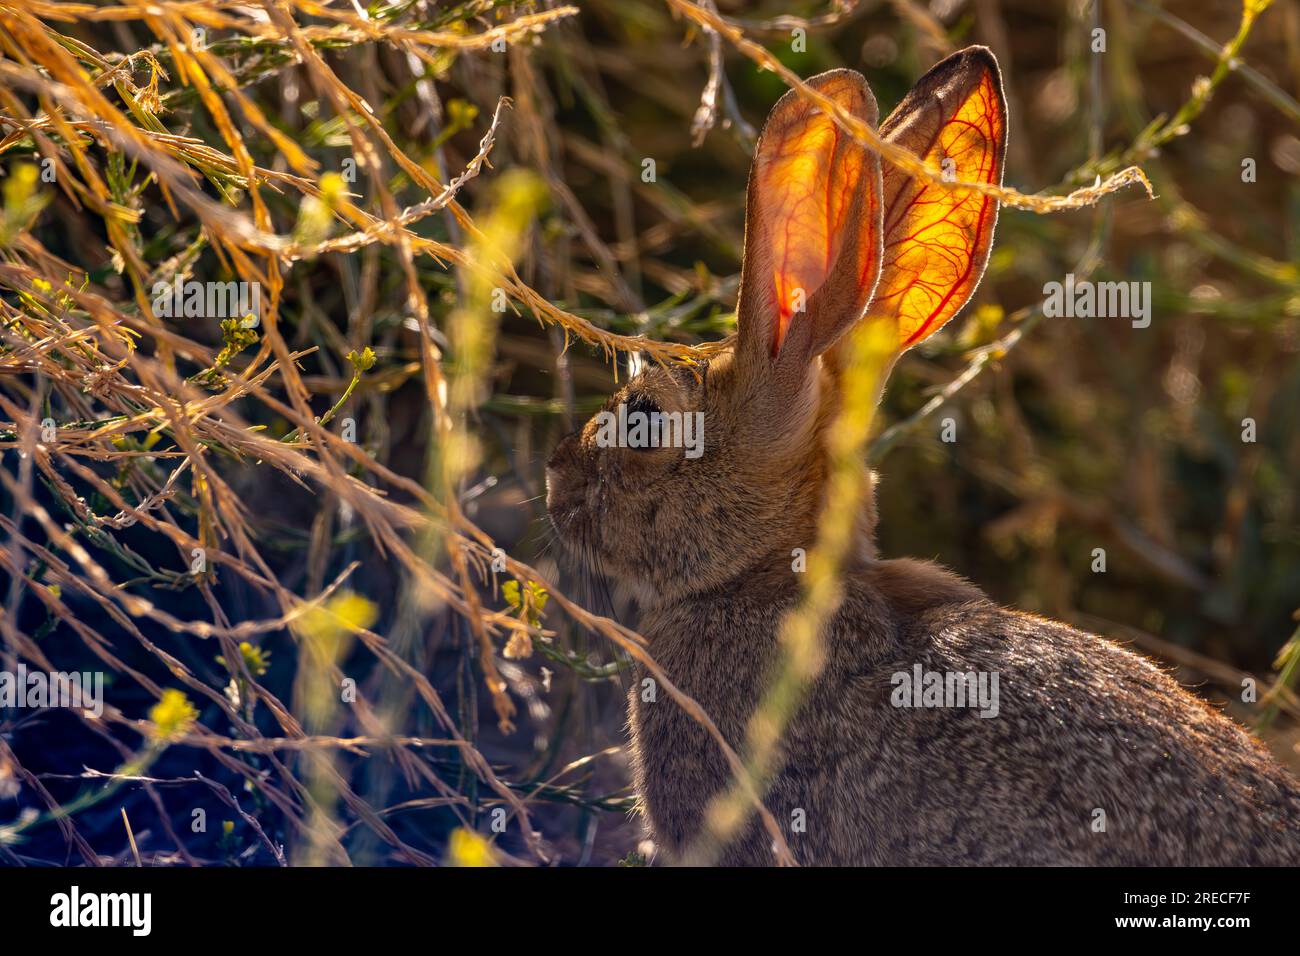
x: 332, y: 189
x: 342, y: 615
x: 256, y: 659
x: 173, y: 715
x: 467, y: 848
x: 364, y: 360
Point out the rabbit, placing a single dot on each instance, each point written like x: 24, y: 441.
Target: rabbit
x: 1094, y: 756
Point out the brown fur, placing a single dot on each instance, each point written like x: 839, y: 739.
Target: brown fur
x: 707, y: 546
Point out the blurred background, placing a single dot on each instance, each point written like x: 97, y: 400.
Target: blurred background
x: 620, y: 200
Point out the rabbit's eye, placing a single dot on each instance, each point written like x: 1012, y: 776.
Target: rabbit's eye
x: 643, y: 404
x: 644, y: 421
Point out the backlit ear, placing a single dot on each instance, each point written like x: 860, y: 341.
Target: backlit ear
x: 937, y: 240
x: 812, y: 227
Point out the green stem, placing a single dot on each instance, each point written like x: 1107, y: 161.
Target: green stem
x: 329, y: 416
x: 1288, y: 663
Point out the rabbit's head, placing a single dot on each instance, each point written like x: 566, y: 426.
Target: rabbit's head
x: 692, y: 476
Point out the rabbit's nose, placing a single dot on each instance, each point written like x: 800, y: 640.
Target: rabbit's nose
x: 562, y: 472
x: 563, y: 453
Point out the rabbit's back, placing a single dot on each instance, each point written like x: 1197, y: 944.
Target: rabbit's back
x: 1086, y: 753
x: 1093, y: 756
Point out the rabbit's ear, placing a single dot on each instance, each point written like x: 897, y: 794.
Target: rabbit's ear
x: 812, y: 228
x: 937, y: 240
